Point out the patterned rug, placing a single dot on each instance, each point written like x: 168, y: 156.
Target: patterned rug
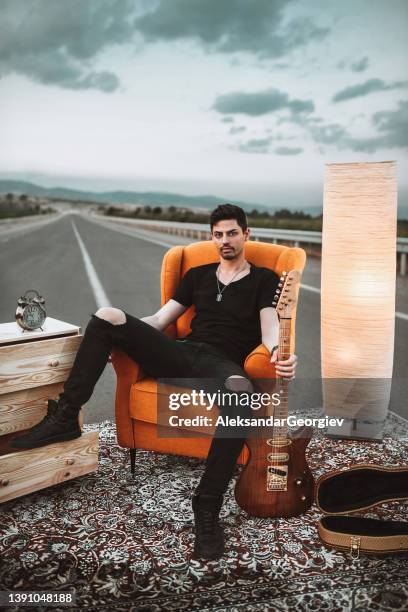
x: 126, y: 544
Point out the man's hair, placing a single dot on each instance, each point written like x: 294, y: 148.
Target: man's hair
x: 229, y: 211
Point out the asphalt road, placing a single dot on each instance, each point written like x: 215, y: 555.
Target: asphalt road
x: 46, y: 255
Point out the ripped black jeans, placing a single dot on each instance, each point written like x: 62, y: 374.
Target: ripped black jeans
x: 160, y: 357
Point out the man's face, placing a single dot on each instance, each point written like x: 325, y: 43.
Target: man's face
x: 229, y: 238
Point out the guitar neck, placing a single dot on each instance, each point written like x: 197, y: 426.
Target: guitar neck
x: 284, y: 339
x: 282, y: 411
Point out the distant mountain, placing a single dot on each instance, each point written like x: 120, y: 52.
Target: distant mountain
x: 293, y: 200
x: 149, y: 198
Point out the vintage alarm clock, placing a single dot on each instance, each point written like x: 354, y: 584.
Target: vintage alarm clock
x: 30, y: 313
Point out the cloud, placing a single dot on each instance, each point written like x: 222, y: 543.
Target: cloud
x: 260, y: 103
x: 255, y: 145
x: 282, y: 66
x: 57, y: 42
x: 262, y: 145
x: 237, y: 129
x: 288, y: 150
x: 301, y: 106
x: 332, y: 133
x: 393, y: 128
x: 392, y: 132
x: 390, y: 127
x: 227, y: 120
x: 255, y: 27
x: 393, y: 121
x: 105, y: 81
x: 360, y: 65
x: 362, y: 89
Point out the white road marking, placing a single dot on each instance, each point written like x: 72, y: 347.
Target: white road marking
x: 163, y: 243
x: 309, y: 288
x: 100, y: 296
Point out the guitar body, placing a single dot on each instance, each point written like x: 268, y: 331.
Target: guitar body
x: 251, y: 491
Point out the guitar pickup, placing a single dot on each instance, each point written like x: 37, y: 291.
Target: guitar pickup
x: 278, y: 443
x: 281, y: 457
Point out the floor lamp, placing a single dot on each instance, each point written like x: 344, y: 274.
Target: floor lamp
x: 358, y: 294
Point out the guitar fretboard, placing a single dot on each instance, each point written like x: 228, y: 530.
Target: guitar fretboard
x: 280, y: 432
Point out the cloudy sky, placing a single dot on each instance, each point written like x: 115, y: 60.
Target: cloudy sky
x: 228, y: 97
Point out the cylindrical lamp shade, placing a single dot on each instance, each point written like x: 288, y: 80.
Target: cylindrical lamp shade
x: 358, y: 273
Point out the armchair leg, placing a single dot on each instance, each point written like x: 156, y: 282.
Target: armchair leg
x: 132, y: 460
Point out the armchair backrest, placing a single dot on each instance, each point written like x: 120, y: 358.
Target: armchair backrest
x: 179, y: 259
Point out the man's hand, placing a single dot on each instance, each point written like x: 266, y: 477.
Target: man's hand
x: 284, y: 369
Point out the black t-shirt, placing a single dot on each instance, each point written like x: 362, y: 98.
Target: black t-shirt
x: 233, y: 324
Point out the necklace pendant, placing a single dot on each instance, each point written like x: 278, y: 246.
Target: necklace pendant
x: 219, y: 297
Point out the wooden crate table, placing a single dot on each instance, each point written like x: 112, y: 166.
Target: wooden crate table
x: 33, y: 368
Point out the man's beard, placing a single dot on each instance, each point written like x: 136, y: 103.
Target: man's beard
x: 230, y: 254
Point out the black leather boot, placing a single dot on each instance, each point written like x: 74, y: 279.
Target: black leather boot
x: 59, y: 424
x: 209, y: 542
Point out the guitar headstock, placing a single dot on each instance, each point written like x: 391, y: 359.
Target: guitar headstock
x: 285, y: 296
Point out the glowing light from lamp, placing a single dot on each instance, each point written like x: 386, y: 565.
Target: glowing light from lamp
x: 358, y: 280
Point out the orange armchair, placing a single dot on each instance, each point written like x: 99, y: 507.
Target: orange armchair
x: 136, y: 395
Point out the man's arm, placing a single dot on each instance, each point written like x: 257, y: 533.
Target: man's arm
x: 270, y: 339
x: 167, y: 314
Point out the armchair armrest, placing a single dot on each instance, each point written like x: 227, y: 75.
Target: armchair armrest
x: 258, y: 365
x: 171, y: 330
x: 127, y: 372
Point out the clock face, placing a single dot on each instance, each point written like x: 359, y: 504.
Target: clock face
x: 33, y: 316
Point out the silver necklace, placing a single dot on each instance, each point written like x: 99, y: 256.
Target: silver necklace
x: 220, y: 291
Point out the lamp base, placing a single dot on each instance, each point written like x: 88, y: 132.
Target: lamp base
x: 357, y: 429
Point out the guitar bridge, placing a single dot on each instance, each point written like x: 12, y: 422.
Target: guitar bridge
x: 277, y: 478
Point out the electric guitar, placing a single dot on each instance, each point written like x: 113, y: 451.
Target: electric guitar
x: 277, y: 481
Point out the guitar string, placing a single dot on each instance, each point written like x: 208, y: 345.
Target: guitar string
x: 282, y: 354
x: 274, y: 445
x: 284, y: 327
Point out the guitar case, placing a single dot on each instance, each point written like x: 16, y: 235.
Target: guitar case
x: 360, y: 487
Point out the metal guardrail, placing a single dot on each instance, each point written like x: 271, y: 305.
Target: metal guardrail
x: 11, y: 221
x: 200, y: 231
